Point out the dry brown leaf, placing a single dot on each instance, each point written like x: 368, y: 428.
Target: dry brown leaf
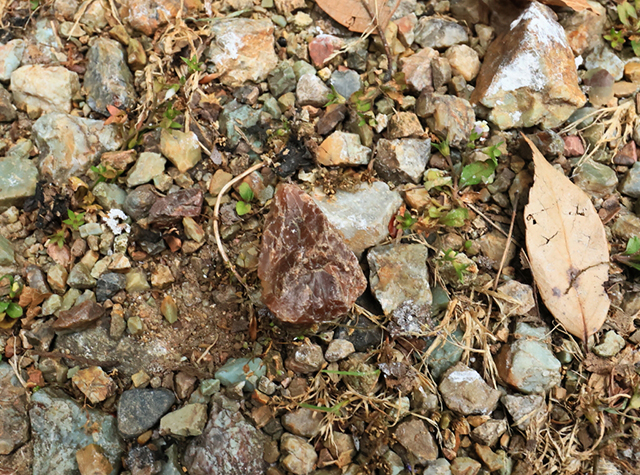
x: 353, y: 13
x: 577, y: 5
x: 568, y: 250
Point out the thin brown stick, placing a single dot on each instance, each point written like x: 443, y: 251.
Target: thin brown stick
x: 385, y: 43
x: 509, y: 237
x: 216, y: 220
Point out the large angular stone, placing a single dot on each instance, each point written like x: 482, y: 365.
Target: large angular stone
x: 434, y: 32
x: 69, y: 144
x: 399, y: 276
x: 362, y: 216
x: 415, y: 438
x: 108, y: 80
x: 60, y: 427
x: 342, y: 148
x: 308, y: 274
x: 417, y: 69
x: 584, y: 29
x: 229, y: 444
x: 402, y: 160
x: 148, y: 15
x: 18, y: 179
x: 14, y: 422
x: 242, y: 50
x: 141, y: 409
x: 450, y: 117
x: 464, y: 391
x: 529, y: 74
x: 78, y: 317
x: 38, y: 89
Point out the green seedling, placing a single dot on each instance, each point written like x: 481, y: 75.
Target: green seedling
x: 244, y: 206
x: 193, y: 64
x: 168, y: 117
x: 454, y: 218
x: 75, y: 220
x: 335, y: 97
x: 405, y: 221
x: 106, y: 173
x: 58, y: 238
x: 616, y: 38
x: 458, y: 267
x: 477, y: 172
x: 7, y: 307
x: 443, y: 147
x: 631, y: 255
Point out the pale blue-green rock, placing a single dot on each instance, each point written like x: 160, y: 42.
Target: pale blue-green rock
x: 18, y: 179
x: 109, y: 195
x: 7, y: 256
x: 241, y: 369
x: 446, y: 354
x: 596, y: 179
x: 60, y: 427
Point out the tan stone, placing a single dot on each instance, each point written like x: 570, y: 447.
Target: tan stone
x: 417, y: 69
x: 529, y: 75
x: 584, y: 29
x: 464, y: 61
x: 92, y: 461
x: 243, y: 50
x: 625, y: 88
x: 342, y: 148
x: 632, y: 71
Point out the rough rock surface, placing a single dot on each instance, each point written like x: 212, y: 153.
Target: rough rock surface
x: 57, y: 424
x: 414, y: 436
x: 69, y: 144
x: 229, y: 444
x: 464, y: 391
x: 342, y: 148
x: 243, y: 50
x: 108, y: 80
x: 308, y: 274
x: 529, y: 75
x: 141, y: 409
x: 14, y: 423
x: 38, y: 89
x: 402, y: 160
x: 362, y: 216
x: 18, y: 178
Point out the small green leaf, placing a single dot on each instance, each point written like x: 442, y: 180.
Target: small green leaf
x: 633, y: 246
x: 635, y: 45
x: 455, y: 218
x: 245, y: 192
x: 477, y: 172
x: 14, y: 310
x: 4, y: 306
x: 242, y: 208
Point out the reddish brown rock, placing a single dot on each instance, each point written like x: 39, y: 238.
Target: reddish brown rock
x: 333, y: 115
x: 78, y: 317
x: 176, y: 206
x: 573, y: 146
x: 148, y: 15
x: 417, y: 69
x: 627, y: 155
x: 308, y: 273
x: 322, y: 47
x: 94, y: 383
x: 529, y: 74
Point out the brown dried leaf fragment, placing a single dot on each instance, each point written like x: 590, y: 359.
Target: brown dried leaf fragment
x: 353, y: 14
x: 568, y: 250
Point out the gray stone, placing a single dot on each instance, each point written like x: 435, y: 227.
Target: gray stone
x: 148, y: 166
x: 239, y: 115
x: 109, y: 284
x: 126, y: 354
x: 141, y: 409
x: 519, y: 299
x: 300, y: 68
x: 630, y: 184
x: 414, y: 436
x: 464, y: 391
x: 140, y: 201
x: 240, y: 370
x: 299, y: 456
x: 438, y: 33
x: 446, y: 354
x: 187, y: 421
x: 361, y: 216
x: 361, y: 332
x: 345, y: 82
x: 80, y: 277
x: 229, y: 444
x: 108, y: 80
x: 311, y: 91
x: 303, y: 422
x: 604, y: 57
x: 598, y: 179
x: 399, y: 279
x: 438, y: 467
x: 172, y: 466
x: 69, y: 144
x: 524, y: 409
x: 14, y: 422
x: 451, y: 117
x: 610, y: 346
x: 10, y: 58
x: 489, y: 432
x: 307, y: 358
x: 109, y: 195
x: 282, y: 79
x: 18, y: 179
x: 626, y: 225
x: 58, y: 428
x: 402, y: 160
x: 7, y: 254
x: 39, y: 89
x: 338, y: 349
